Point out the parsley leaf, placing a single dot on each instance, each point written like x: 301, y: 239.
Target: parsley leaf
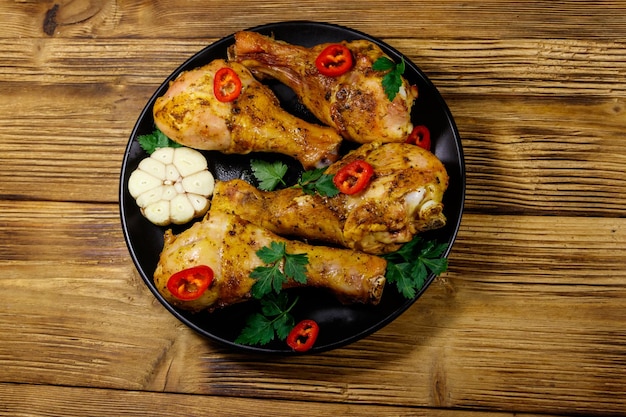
x: 269, y: 174
x: 315, y: 181
x: 295, y: 266
x: 409, y: 266
x: 268, y: 278
x: 280, y: 267
x: 392, y: 81
x: 155, y: 140
x: 383, y: 64
x: 258, y: 331
x: 273, y: 321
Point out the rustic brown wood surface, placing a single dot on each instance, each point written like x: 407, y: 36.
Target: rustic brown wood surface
x: 529, y: 319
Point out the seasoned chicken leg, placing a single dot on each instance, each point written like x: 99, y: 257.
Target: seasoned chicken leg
x: 228, y: 244
x: 190, y: 114
x: 354, y: 102
x: 403, y: 198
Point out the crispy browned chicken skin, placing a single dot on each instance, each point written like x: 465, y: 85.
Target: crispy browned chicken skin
x: 189, y: 114
x: 228, y: 244
x: 353, y: 103
x: 404, y: 198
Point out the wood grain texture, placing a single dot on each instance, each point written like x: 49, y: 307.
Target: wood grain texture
x: 34, y: 401
x: 529, y: 319
x: 512, y: 132
x: 430, y: 19
x: 522, y: 309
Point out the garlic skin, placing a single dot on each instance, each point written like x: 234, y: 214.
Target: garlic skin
x: 173, y: 185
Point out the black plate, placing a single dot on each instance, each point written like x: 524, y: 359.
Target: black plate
x: 339, y: 324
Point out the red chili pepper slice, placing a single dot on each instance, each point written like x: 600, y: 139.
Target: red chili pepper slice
x: 334, y: 60
x: 354, y: 177
x: 420, y: 136
x: 302, y: 337
x: 226, y: 85
x: 191, y: 283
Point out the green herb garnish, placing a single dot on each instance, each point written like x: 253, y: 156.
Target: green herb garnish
x: 315, y: 181
x: 392, y: 81
x: 409, y: 266
x: 273, y: 321
x: 155, y: 140
x: 281, y: 266
x: 268, y: 174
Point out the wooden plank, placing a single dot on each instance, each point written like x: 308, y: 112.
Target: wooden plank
x: 41, y: 400
x: 528, y: 318
x: 510, y: 145
x: 425, y: 19
x: 588, y: 67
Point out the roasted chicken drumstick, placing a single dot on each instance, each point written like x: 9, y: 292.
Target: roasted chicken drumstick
x: 228, y: 244
x: 354, y: 103
x: 190, y: 114
x: 404, y: 198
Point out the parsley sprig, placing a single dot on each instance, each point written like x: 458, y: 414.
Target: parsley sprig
x: 280, y: 266
x: 273, y: 321
x: 157, y: 139
x: 268, y: 174
x: 393, y: 79
x: 315, y: 181
x: 409, y: 266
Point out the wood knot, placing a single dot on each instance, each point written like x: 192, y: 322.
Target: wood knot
x: 73, y: 12
x: 50, y: 20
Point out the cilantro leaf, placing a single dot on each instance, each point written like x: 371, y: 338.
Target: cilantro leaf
x: 408, y: 267
x: 155, y: 140
x: 274, y: 320
x: 315, y: 181
x: 269, y: 174
x: 280, y: 267
x: 392, y: 81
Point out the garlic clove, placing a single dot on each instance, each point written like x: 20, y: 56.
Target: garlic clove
x: 201, y: 183
x: 189, y: 161
x: 150, y: 197
x: 169, y: 192
x: 163, y: 155
x: 171, y: 173
x: 200, y: 204
x: 181, y: 210
x: 158, y: 213
x: 140, y: 182
x: 153, y: 167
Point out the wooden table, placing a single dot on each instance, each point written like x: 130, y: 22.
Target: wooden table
x: 530, y: 318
